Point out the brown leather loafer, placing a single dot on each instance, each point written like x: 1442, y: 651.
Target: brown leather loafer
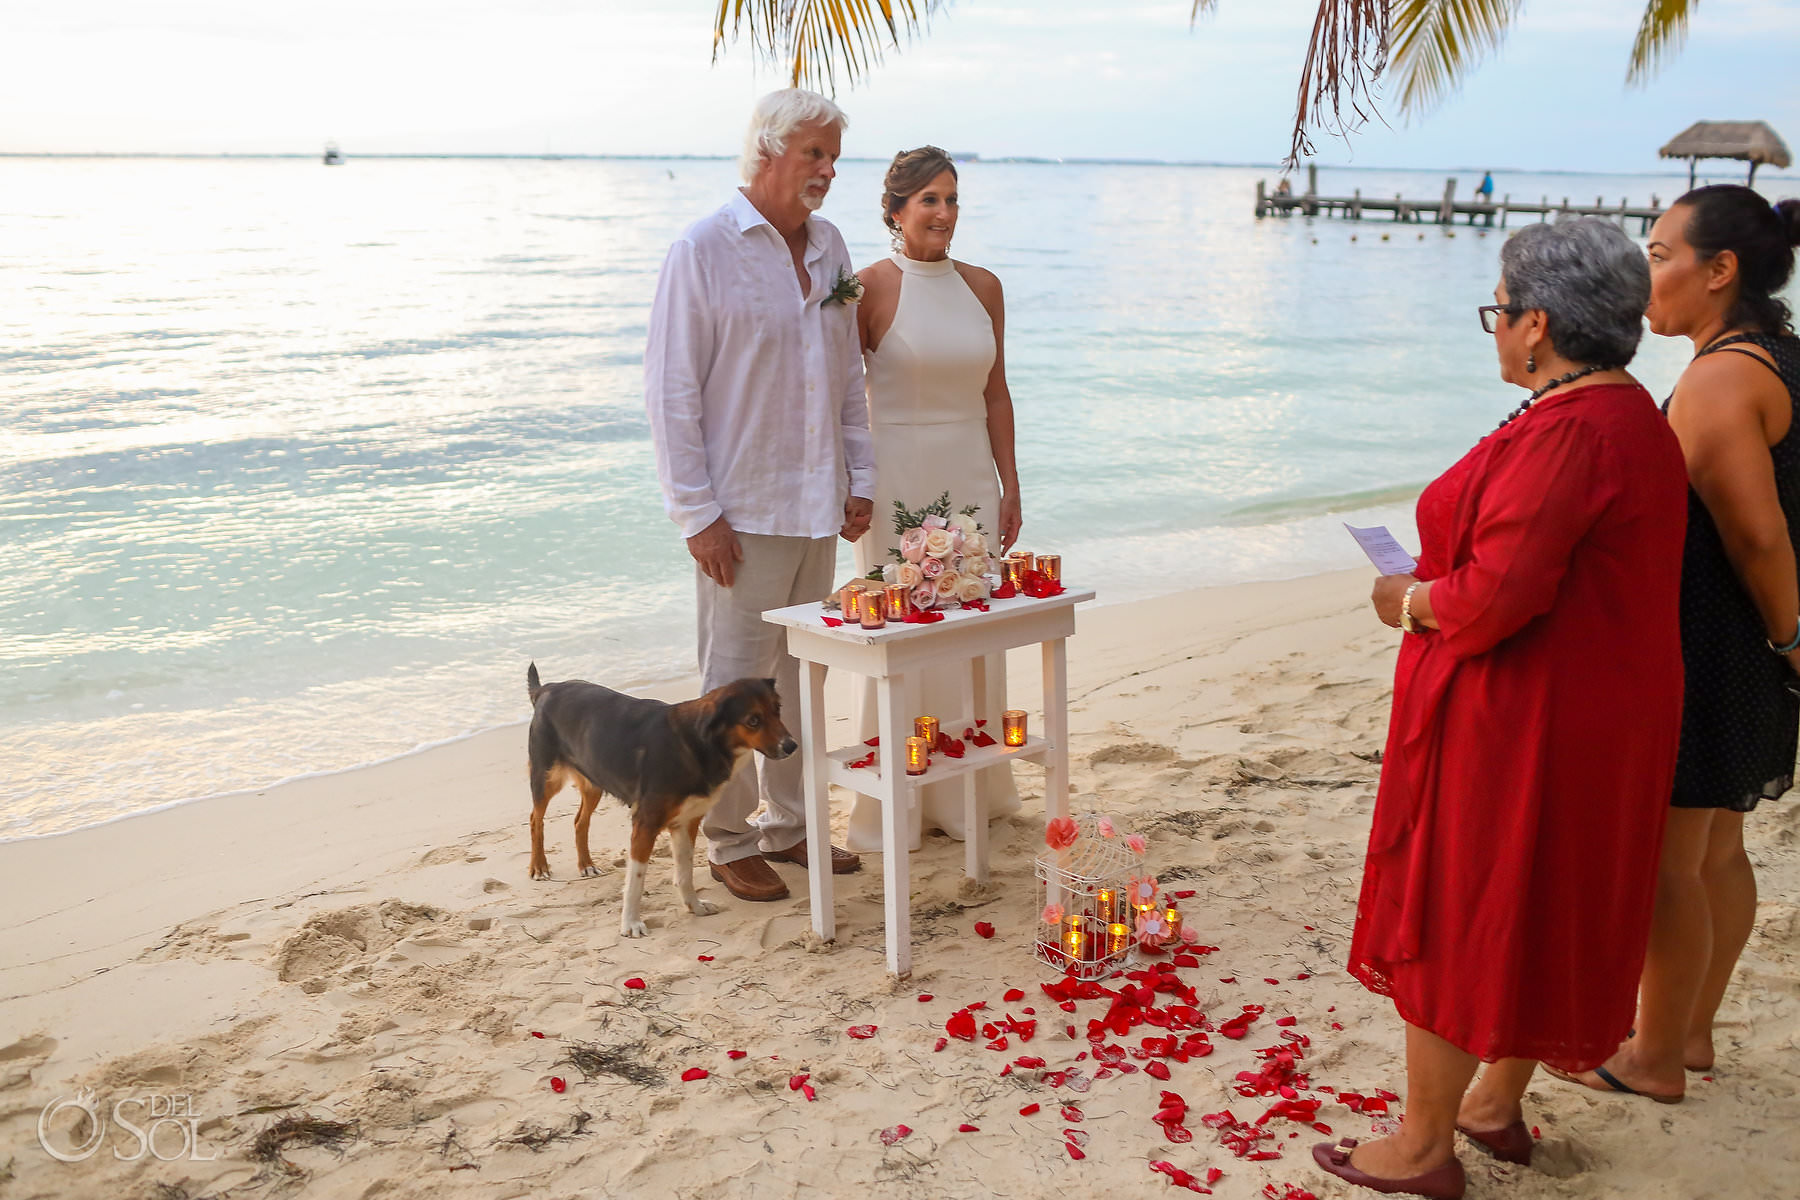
x: 842, y: 861
x: 750, y: 879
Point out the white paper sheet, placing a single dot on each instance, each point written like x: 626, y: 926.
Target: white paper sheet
x: 1388, y: 555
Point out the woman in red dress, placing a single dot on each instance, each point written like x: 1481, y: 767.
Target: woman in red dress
x: 1507, y: 893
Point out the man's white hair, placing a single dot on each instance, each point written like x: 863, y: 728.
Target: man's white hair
x: 774, y: 120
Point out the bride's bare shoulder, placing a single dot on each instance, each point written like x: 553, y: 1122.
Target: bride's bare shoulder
x: 983, y: 282
x: 882, y: 270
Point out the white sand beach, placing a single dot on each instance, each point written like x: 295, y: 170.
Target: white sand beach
x: 366, y: 948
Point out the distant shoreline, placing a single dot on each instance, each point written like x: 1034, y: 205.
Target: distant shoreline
x: 1011, y: 160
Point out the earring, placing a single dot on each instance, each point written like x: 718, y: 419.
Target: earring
x: 1531, y: 364
x: 899, y: 243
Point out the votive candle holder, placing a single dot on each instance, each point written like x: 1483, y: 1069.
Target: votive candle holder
x: 1050, y: 567
x: 918, y: 755
x: 927, y: 728
x: 1012, y: 726
x: 874, y: 610
x: 899, y: 601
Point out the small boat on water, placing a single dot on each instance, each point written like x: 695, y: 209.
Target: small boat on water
x: 333, y: 157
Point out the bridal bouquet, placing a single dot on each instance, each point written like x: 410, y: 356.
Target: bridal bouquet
x: 942, y: 556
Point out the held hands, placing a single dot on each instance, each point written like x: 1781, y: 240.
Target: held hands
x: 1389, y: 591
x: 859, y: 514
x: 717, y: 550
x: 1010, y: 521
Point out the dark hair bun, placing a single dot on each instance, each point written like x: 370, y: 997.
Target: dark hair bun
x: 1789, y: 212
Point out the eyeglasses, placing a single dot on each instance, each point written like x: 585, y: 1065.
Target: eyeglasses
x: 1490, y: 314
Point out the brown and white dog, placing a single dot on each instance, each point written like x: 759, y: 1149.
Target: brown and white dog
x: 666, y: 762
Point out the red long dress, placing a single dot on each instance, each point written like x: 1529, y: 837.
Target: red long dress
x: 1512, y: 861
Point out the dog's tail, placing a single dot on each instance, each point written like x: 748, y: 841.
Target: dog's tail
x: 532, y: 686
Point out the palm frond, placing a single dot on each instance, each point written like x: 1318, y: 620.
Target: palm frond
x: 813, y: 40
x: 1659, y: 36
x: 1437, y: 43
x: 1202, y: 6
x: 1349, y: 48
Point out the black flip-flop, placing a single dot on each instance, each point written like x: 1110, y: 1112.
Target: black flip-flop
x: 1612, y: 1082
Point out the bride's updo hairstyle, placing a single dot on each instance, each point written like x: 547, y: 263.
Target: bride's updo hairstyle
x: 907, y: 176
x: 1729, y: 216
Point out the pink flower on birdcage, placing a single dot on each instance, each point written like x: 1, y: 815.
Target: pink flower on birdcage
x: 1105, y: 826
x: 1142, y: 891
x: 1053, y: 914
x: 1061, y: 833
x: 1136, y: 842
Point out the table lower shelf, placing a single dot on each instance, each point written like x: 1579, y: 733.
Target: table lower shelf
x: 867, y: 780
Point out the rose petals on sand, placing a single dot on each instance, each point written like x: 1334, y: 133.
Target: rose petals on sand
x: 1029, y: 1109
x: 894, y: 1133
x: 558, y: 1084
x: 965, y: 1127
x: 984, y: 928
x: 536, y: 1034
x: 694, y: 1073
x: 737, y: 1054
x: 861, y: 1032
x: 635, y: 984
x: 704, y: 957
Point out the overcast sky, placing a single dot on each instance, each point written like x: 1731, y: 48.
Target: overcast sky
x: 1056, y: 78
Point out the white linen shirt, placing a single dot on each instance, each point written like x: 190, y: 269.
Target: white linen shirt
x: 755, y: 395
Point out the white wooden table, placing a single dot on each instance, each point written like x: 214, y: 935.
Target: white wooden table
x: 891, y: 657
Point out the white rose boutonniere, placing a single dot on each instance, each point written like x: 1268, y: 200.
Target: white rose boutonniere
x: 847, y: 289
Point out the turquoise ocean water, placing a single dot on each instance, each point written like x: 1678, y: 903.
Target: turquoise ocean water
x: 300, y: 467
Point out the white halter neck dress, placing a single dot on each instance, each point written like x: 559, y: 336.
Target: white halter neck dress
x: 926, y: 383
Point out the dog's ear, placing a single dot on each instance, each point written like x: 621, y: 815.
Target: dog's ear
x: 719, y: 717
x: 771, y: 684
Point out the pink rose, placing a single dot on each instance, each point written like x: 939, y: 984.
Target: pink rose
x: 1053, y: 914
x: 932, y: 567
x: 924, y: 597
x: 912, y: 545
x: 956, y: 540
x: 1061, y: 833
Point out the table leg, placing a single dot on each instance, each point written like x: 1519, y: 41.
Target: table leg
x: 1056, y: 728
x: 818, y: 799
x: 896, y: 824
x: 975, y: 830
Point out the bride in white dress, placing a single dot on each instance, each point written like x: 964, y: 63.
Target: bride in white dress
x: 942, y: 421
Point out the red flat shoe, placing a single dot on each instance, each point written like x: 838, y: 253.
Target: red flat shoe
x: 1512, y: 1144
x: 1441, y: 1183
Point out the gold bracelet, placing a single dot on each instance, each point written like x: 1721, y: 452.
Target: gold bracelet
x: 1407, y: 624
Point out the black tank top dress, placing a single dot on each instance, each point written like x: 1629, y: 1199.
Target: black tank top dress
x: 1741, y: 711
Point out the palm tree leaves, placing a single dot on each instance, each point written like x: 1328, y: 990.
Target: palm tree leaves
x: 1659, y: 36
x: 1348, y: 49
x: 1438, y: 42
x: 815, y: 39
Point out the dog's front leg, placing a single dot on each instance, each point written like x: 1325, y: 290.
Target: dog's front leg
x: 681, y: 841
x: 643, y: 840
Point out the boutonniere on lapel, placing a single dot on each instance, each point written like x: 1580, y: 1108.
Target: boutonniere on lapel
x: 847, y: 290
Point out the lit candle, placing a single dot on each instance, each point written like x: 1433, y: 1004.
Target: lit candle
x: 847, y: 600
x: 1109, y: 910
x: 1012, y: 726
x: 1077, y: 942
x: 899, y: 600
x: 1017, y: 564
x: 918, y: 755
x: 1050, y: 566
x: 1173, y: 917
x: 874, y: 612
x: 927, y: 728
x: 1118, y: 938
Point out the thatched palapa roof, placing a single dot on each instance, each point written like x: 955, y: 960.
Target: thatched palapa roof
x: 1750, y: 141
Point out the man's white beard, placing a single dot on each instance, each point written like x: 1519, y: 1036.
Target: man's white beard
x: 811, y: 200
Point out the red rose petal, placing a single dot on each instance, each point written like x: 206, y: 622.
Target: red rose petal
x: 806, y: 1089
x: 965, y: 1127
x: 1536, y: 1132
x: 705, y: 957
x: 1013, y: 996
x: 926, y: 997
x: 834, y: 622
x: 1029, y: 1109
x: 861, y: 1031
x: 536, y: 1034
x: 1271, y: 980
x: 1030, y: 1062
x: 941, y: 1043
x: 894, y: 1133
x: 795, y: 1081
x: 1228, y: 979
x: 1178, y: 1133
x: 984, y: 929
x: 1075, y: 1152
x: 635, y: 984
x: 693, y: 1073
x: 1157, y: 1070
x: 1071, y: 1113
x: 1286, y: 1021
x: 736, y: 1054
x: 558, y: 1084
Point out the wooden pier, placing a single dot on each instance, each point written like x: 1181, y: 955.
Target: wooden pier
x: 1443, y: 211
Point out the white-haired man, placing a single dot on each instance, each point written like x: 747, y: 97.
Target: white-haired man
x: 754, y: 384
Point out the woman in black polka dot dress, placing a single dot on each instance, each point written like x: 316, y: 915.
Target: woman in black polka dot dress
x: 1718, y: 258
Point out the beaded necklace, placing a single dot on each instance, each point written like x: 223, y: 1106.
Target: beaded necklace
x: 1520, y: 411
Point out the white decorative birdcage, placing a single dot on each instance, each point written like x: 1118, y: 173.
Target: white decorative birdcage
x: 1086, y: 924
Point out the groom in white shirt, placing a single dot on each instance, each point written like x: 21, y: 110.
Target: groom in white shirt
x: 754, y: 384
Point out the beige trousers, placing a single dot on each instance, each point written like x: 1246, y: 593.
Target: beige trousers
x: 735, y: 642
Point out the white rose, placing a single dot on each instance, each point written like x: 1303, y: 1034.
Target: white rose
x: 890, y: 573
x: 937, y: 544
x: 966, y: 523
x: 976, y: 564
x: 971, y: 587
x: 946, y: 586
x: 908, y: 574
x: 974, y: 545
